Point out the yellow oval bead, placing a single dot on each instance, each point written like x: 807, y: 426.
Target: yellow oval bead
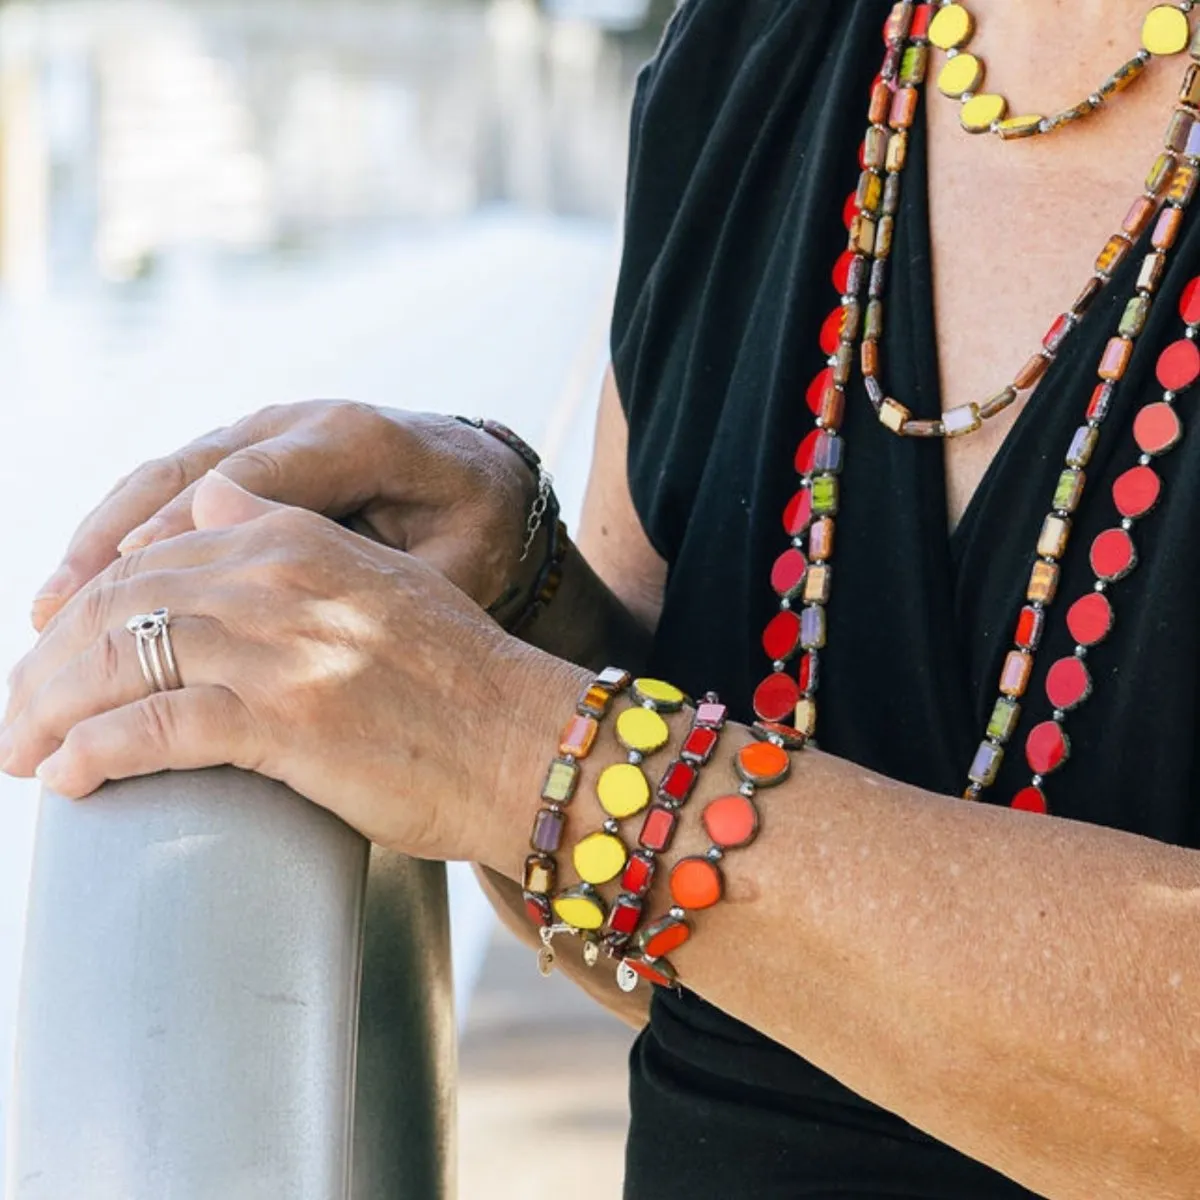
x: 1165, y: 30
x: 952, y: 27
x: 664, y: 694
x: 581, y: 912
x: 1020, y: 127
x: 599, y: 857
x: 643, y: 730
x: 982, y: 111
x: 963, y: 73
x: 623, y: 790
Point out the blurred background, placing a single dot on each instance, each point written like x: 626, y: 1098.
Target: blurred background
x: 209, y: 207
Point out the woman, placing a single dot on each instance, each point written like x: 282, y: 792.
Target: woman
x: 902, y: 991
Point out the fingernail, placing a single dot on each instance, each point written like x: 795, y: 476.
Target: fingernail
x: 6, y: 748
x: 49, y: 772
x: 55, y: 587
x: 143, y: 535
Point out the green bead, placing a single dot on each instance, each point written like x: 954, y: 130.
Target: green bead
x: 1069, y: 491
x: 825, y: 495
x: 914, y: 65
x: 1133, y: 319
x: 1004, y: 719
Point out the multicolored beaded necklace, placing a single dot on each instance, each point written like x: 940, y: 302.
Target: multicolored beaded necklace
x: 801, y: 576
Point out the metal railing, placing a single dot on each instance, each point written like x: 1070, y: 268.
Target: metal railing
x: 227, y: 995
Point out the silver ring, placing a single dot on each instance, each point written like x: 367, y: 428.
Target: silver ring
x: 156, y: 655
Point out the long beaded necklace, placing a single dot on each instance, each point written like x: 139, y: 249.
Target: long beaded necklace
x: 802, y: 575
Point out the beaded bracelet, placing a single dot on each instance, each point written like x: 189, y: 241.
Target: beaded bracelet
x: 623, y: 791
x: 696, y: 882
x: 545, y: 587
x: 578, y: 737
x: 658, y: 828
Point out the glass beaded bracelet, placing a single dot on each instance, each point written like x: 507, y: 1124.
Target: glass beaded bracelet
x: 540, y: 875
x: 731, y: 822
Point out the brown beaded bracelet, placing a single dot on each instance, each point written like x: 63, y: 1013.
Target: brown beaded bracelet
x: 731, y: 822
x: 540, y: 874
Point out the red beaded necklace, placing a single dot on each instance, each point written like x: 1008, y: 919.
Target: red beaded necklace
x: 801, y: 576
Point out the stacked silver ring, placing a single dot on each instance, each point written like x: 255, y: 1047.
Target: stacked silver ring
x: 152, y: 633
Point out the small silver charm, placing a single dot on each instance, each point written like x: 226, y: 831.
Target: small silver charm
x: 545, y: 961
x: 627, y: 977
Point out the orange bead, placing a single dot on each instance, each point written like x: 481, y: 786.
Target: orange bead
x: 762, y: 763
x: 695, y: 883
x: 578, y: 737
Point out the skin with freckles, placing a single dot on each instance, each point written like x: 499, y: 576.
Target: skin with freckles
x: 1023, y: 988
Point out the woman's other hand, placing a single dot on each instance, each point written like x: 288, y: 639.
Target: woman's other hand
x: 429, y: 485
x: 353, y: 672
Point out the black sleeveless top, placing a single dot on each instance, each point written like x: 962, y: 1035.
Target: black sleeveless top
x: 745, y: 132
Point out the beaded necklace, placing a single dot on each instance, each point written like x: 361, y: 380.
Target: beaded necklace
x: 1164, y: 32
x: 801, y: 576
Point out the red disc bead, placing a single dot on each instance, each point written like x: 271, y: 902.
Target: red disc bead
x: 775, y: 698
x: 797, y: 516
x: 806, y: 452
x: 781, y: 636
x: 1030, y: 799
x: 1068, y: 683
x: 816, y: 390
x: 731, y: 821
x: 1179, y: 365
x: 831, y: 331
x: 1136, y: 492
x: 1112, y: 554
x: 787, y: 575
x: 1189, y: 303
x: 1090, y: 619
x: 1046, y: 748
x: 1157, y: 428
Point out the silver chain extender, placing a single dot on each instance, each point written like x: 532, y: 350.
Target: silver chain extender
x: 537, y: 511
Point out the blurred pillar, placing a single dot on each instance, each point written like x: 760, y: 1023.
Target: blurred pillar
x: 24, y: 167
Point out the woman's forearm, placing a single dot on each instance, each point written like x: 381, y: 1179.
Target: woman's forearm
x: 1021, y: 987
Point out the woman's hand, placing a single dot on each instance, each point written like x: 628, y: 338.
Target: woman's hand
x: 352, y: 672
x: 429, y: 485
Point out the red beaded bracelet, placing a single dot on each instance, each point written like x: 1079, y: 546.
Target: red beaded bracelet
x: 696, y: 882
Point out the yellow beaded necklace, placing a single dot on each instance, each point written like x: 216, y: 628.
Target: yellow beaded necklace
x: 1165, y: 32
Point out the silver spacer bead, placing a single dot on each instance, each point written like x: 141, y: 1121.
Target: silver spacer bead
x: 778, y: 665
x: 714, y: 854
x: 1144, y: 460
x: 785, y: 604
x: 676, y: 912
x: 1127, y: 524
x: 1081, y: 652
x: 611, y: 826
x: 1190, y: 332
x: 1168, y: 396
x: 1100, y: 585
x: 1058, y: 715
x: 798, y: 543
x: 1037, y: 781
x: 747, y: 789
x: 635, y: 758
x: 1095, y: 99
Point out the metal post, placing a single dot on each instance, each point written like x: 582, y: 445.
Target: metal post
x: 190, y: 997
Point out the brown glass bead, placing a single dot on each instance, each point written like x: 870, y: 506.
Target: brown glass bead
x: 878, y: 283
x: 875, y: 147
x: 1178, y: 128
x: 1052, y: 542
x: 897, y: 151
x: 820, y: 540
x: 817, y: 585
x: 1087, y: 294
x: 997, y: 403
x: 1122, y: 77
x: 891, y: 195
x: 833, y: 408
x: 903, y: 111
x: 843, y: 362
x: 1183, y: 184
x: 851, y: 316
x: 1160, y: 173
x: 1151, y: 271
x: 1166, y: 228
x: 869, y: 193
x: 883, y: 236
x: 1112, y: 255
x: 1031, y: 372
x: 1068, y: 116
x: 923, y: 429
x: 1138, y: 218
x: 870, y: 357
x: 541, y: 874
x: 1189, y: 91
x: 862, y: 234
x: 1043, y: 582
x: 873, y: 328
x: 899, y: 22
x: 1014, y: 678
x: 881, y: 103
x: 856, y: 275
